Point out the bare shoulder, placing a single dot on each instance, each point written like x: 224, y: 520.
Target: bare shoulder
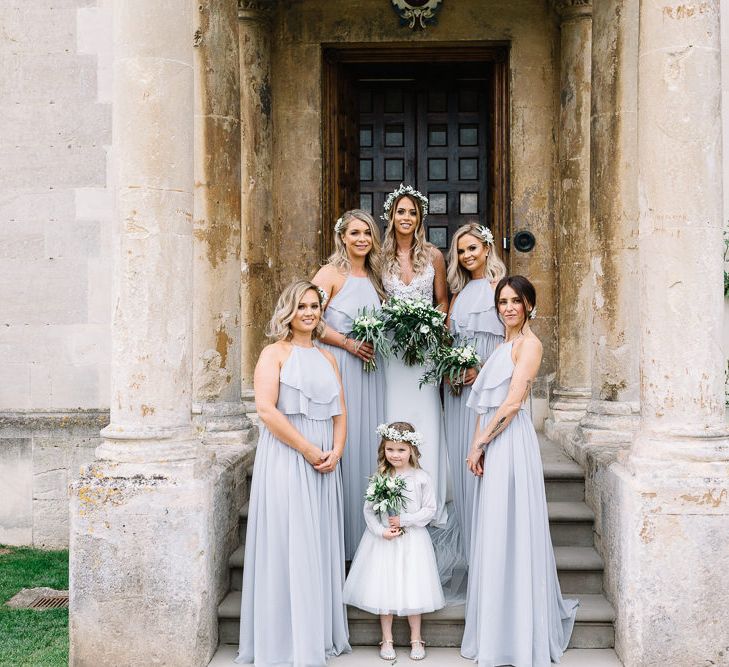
x: 436, y: 256
x: 530, y: 346
x: 328, y: 276
x: 275, y: 352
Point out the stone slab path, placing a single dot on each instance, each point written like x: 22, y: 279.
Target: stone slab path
x: 366, y: 656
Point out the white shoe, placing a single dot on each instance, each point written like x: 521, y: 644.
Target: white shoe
x: 417, y: 652
x: 387, y: 649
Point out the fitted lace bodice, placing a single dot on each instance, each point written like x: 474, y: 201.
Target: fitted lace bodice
x: 421, y: 285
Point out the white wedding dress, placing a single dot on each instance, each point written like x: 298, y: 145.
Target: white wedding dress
x: 405, y: 401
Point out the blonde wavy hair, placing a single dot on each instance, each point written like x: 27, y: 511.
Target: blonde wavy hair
x: 373, y: 261
x: 383, y: 465
x: 419, y: 253
x: 279, y: 327
x: 457, y: 276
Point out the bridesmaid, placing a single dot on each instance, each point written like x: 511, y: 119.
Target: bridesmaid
x: 515, y: 613
x: 352, y: 278
x: 473, y: 267
x: 292, y: 611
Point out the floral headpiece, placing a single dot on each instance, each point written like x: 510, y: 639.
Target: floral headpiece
x: 485, y: 234
x: 323, y: 296
x: 389, y: 433
x: 533, y: 313
x: 408, y: 190
x: 339, y: 225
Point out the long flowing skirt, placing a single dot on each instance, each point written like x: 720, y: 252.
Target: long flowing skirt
x: 460, y: 423
x: 405, y: 401
x: 292, y: 612
x: 515, y: 613
x: 364, y: 396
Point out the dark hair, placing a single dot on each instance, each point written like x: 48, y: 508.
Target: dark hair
x: 524, y: 290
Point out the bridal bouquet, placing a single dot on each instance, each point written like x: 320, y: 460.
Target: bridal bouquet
x: 387, y: 494
x: 369, y: 327
x: 451, y: 362
x: 416, y: 327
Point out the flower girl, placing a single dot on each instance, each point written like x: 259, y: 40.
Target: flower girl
x: 394, y: 570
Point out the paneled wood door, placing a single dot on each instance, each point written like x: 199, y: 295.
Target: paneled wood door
x: 441, y: 126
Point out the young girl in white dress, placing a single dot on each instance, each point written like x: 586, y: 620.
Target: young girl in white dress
x: 394, y: 570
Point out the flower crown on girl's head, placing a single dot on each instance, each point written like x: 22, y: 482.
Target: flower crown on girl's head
x: 389, y: 433
x: 408, y: 190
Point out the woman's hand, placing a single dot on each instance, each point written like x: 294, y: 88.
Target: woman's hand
x: 394, y: 521
x: 391, y: 533
x: 364, y: 351
x: 314, y: 455
x: 474, y: 462
x: 470, y: 376
x: 329, y: 462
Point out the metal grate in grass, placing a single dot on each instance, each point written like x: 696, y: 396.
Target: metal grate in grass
x: 50, y: 602
x: 39, y: 598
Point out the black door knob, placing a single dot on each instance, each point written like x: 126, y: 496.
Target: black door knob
x: 524, y: 241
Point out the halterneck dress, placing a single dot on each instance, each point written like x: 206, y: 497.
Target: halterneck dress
x: 364, y: 396
x: 474, y: 319
x: 515, y: 613
x: 292, y: 612
x: 406, y: 401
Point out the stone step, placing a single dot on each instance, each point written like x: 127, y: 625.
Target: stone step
x: 579, y: 569
x: 243, y: 523
x: 593, y: 627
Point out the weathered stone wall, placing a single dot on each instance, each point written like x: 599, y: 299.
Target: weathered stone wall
x: 55, y: 207
x: 300, y: 28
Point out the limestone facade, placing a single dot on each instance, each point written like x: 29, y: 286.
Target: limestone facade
x: 163, y: 179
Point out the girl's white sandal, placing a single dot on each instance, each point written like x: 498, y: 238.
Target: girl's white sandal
x: 387, y: 649
x: 417, y: 652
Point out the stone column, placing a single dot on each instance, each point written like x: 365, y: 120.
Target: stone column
x: 613, y: 412
x: 140, y: 516
x: 671, y: 514
x: 219, y: 414
x: 259, y: 262
x: 572, y: 391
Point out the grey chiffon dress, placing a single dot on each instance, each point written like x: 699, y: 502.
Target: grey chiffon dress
x: 364, y: 396
x: 473, y: 318
x: 292, y: 611
x: 515, y: 613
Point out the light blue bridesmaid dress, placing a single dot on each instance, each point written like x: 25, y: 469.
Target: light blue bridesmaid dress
x: 473, y: 318
x: 364, y: 396
x: 292, y: 612
x: 515, y: 613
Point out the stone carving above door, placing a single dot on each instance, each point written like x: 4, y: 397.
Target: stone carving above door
x: 417, y: 14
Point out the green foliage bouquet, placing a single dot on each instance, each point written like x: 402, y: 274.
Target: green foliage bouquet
x: 369, y: 327
x: 416, y: 327
x: 451, y: 362
x: 387, y: 494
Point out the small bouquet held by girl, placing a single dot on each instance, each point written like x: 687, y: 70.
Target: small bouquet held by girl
x: 417, y: 328
x: 451, y: 362
x: 395, y: 572
x: 369, y: 327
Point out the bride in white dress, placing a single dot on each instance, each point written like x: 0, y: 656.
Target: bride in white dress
x: 412, y: 267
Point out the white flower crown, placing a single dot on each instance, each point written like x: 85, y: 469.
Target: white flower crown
x: 339, y: 225
x: 389, y: 433
x: 485, y: 234
x: 408, y: 190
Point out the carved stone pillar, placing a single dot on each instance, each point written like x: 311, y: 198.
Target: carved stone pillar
x: 613, y: 412
x: 572, y: 391
x: 140, y: 536
x: 259, y: 260
x: 671, y: 498
x: 219, y: 414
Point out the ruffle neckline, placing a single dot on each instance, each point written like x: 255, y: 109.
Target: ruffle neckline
x: 474, y: 311
x: 492, y: 384
x: 308, y: 385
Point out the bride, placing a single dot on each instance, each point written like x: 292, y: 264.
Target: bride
x: 412, y: 267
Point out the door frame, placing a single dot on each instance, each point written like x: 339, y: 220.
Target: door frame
x: 335, y: 58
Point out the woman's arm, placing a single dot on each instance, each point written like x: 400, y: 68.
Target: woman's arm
x: 331, y: 458
x: 266, y: 386
x: 440, y: 286
x: 526, y: 366
x: 450, y: 310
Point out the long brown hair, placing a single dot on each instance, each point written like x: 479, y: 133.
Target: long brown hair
x: 419, y: 253
x: 383, y: 465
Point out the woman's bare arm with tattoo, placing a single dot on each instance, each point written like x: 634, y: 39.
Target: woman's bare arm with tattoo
x: 528, y: 357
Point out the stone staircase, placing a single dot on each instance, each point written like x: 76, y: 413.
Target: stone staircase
x: 579, y: 566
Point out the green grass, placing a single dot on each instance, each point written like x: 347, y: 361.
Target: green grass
x: 32, y: 638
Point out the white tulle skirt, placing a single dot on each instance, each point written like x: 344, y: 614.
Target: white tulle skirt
x: 397, y: 576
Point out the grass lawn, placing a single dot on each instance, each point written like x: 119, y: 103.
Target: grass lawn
x: 32, y: 638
